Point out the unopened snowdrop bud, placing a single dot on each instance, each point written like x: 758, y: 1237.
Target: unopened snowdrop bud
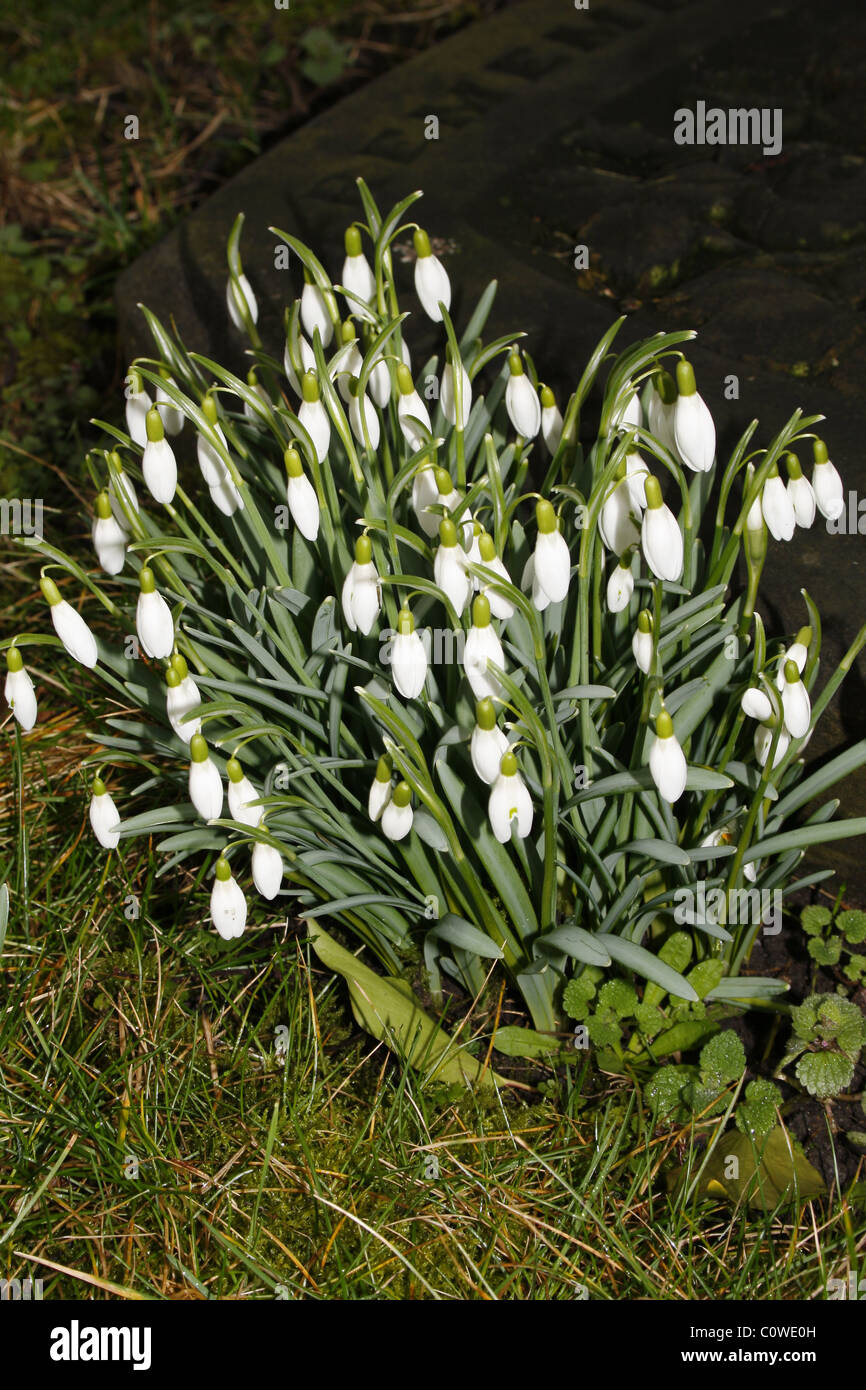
x: 301, y: 496
x: 488, y: 743
x: 694, y: 431
x: 308, y: 362
x: 380, y: 790
x: 408, y: 658
x: 800, y: 492
x: 642, y: 641
x: 551, y: 420
x: 449, y: 567
x: 240, y: 292
x: 138, y: 403
x: 182, y: 697
x: 173, y: 418
x: 616, y: 521
x: 267, y: 866
x: 509, y: 801
x: 448, y: 395
x: 411, y: 410
x: 121, y: 492
x: 153, y: 621
x: 361, y: 595
x: 357, y: 276
x: 314, y: 417
x: 213, y: 467
x: 158, y: 463
x: 667, y: 761
x: 228, y: 906
x: 205, y: 783
x: 661, y: 537
x: 661, y: 410
x: 314, y: 313
x: 796, y: 706
x: 763, y: 743
x: 241, y: 794
x: 826, y: 483
x: 797, y: 652
x: 521, y: 399
x: 19, y: 690
x: 777, y: 507
x: 481, y: 645
x: 104, y: 818
x: 620, y: 586
x: 69, y: 625
x: 756, y: 704
x: 551, y: 558
x: 357, y: 404
x: 431, y: 278
x: 500, y: 606
x: 397, y: 816
x: 109, y: 537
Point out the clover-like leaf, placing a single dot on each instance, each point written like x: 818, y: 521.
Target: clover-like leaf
x: 814, y: 919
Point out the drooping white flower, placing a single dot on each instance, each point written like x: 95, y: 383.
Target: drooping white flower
x: 397, y: 816
x: 616, y: 521
x: 620, y: 586
x: 797, y: 652
x: 408, y: 657
x: 358, y: 421
x: 361, y: 596
x: 777, y: 507
x: 138, y: 403
x: 432, y: 284
x: 104, y: 817
x: 756, y: 527
x: 314, y: 313
x: 521, y: 399
x: 725, y: 836
x: 661, y: 410
x: 171, y: 415
x: 357, y: 276
x: 425, y: 495
x: 205, y: 783
x: 158, y: 463
x: 308, y: 362
x: 447, y: 497
x: 214, y: 468
x: 551, y: 558
x: 763, y: 742
x: 19, y: 690
x: 799, y: 490
x: 267, y: 867
x: 240, y: 794
x: 109, y: 537
x: 661, y: 538
x: 121, y: 493
x: 642, y: 641
x: 826, y: 483
x: 379, y: 383
x: 69, y: 625
x: 301, y: 496
x: 488, y: 743
x: 756, y: 704
x: 226, y: 496
x: 509, y: 801
x: 380, y: 790
x: 314, y: 417
x: 153, y: 620
x: 551, y: 421
x: 636, y: 474
x: 667, y: 761
x: 259, y: 391
x: 449, y: 567
x: 448, y: 395
x: 182, y: 697
x: 482, y: 644
x: 500, y: 606
x: 228, y: 906
x: 796, y: 705
x: 694, y: 431
x: 411, y: 410
x: 241, y: 287
x: 529, y: 584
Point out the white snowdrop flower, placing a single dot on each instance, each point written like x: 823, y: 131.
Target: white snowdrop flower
x: 243, y: 287
x: 509, y: 801
x: 109, y: 537
x: 431, y: 278
x: 667, y: 761
x: 500, y: 606
x: 797, y: 652
x: 19, y: 690
x: 763, y: 742
x: 756, y: 704
x: 171, y: 415
x: 408, y: 657
x: 473, y: 554
x: 551, y: 558
x: 725, y: 836
x: 449, y: 567
x: 521, y: 399
x: 448, y: 396
x: 411, y: 410
x: 636, y: 474
x: 661, y: 538
x: 796, y: 705
x: 301, y: 496
x: 380, y: 790
x: 258, y: 390
x: 370, y: 418
x: 241, y: 794
x: 308, y: 362
x: 138, y: 403
x: 158, y: 463
x: 347, y: 361
x: 529, y: 584
x: 213, y: 467
x: 357, y: 276
x: 121, y: 492
x: 205, y: 783
x: 397, y: 816
x: 694, y: 431
x: 380, y: 382
x: 620, y: 586
x: 756, y: 527
x: 153, y: 621
x: 228, y: 906
x: 314, y: 313
x: 629, y: 415
x: 642, y: 642
x: 826, y: 483
x: 104, y: 817
x: 482, y: 644
x: 616, y: 522
x: 314, y: 417
x: 661, y: 411
x: 488, y: 743
x: 267, y: 867
x: 799, y: 490
x: 361, y: 596
x: 69, y: 625
x: 551, y: 421
x: 425, y: 495
x: 777, y: 507
x: 226, y: 496
x: 446, y: 497
x: 181, y: 698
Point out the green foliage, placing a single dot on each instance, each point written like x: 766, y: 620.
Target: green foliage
x: 831, y: 933
x: 828, y: 1035
x: 756, y: 1114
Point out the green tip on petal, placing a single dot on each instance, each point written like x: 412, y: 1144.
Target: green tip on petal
x: 103, y: 505
x: 292, y: 460
x: 223, y: 870
x: 485, y: 714
x: 352, y: 241
x: 819, y: 451
x: 792, y: 672
x: 133, y: 380
x: 804, y: 637
x: 252, y: 379
x: 13, y: 659
x: 383, y: 770
x: 115, y: 460
x: 447, y: 532
x: 310, y: 387
x: 348, y: 332
x: 792, y: 463
x: 422, y: 243
x: 198, y: 749
x: 153, y: 425
x: 508, y: 765
x: 405, y: 622
x: 172, y: 679
x: 545, y: 516
x: 515, y: 365
x: 774, y: 471
x: 665, y: 386
x: 443, y: 481
x: 99, y: 788
x: 146, y: 581
x: 645, y: 620
x: 363, y: 550
x: 487, y: 547
x: 404, y: 380
x: 664, y: 725
x: 481, y: 611
x: 50, y: 590
x: 178, y: 662
x: 234, y: 770
x: 653, y: 492
x: 402, y: 794
x: 686, y: 378
x: 209, y: 408
x: 548, y: 400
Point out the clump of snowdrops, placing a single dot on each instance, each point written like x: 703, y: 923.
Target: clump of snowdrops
x: 411, y: 657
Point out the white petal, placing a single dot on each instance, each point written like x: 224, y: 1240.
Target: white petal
x: 486, y: 748
x: 552, y: 565
x: 615, y: 523
x: 227, y: 496
x: 206, y: 789
x: 180, y: 700
x: 247, y: 292
x: 159, y: 466
x: 154, y: 625
x: 228, y: 908
x: 360, y: 280
x: 213, y: 468
x: 378, y: 798
x: 447, y: 396
x: 137, y: 406
x: 763, y: 740
x: 371, y: 418
x: 408, y: 664
x: 778, y: 510
x: 662, y: 543
x: 449, y: 573
x: 510, y: 800
x: 668, y: 767
x: 267, y: 866
x: 409, y: 409
x: 802, y: 500
x: 797, y: 708
x: 432, y: 285
x: 397, y: 820
x: 756, y: 704
x: 314, y: 418
x: 172, y: 417
x: 482, y: 643
x: 636, y: 475
x: 827, y: 487
x: 425, y: 494
x: 694, y: 433
x: 303, y: 505
x: 500, y: 606
x: 308, y: 362
x: 523, y: 406
x: 365, y: 597
x: 380, y: 384
x: 642, y: 650
x: 109, y: 542
x: 551, y: 427
x: 74, y: 633
x: 620, y: 587
x: 314, y: 314
x: 120, y: 491
x: 21, y: 698
x: 239, y: 795
x: 104, y: 820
